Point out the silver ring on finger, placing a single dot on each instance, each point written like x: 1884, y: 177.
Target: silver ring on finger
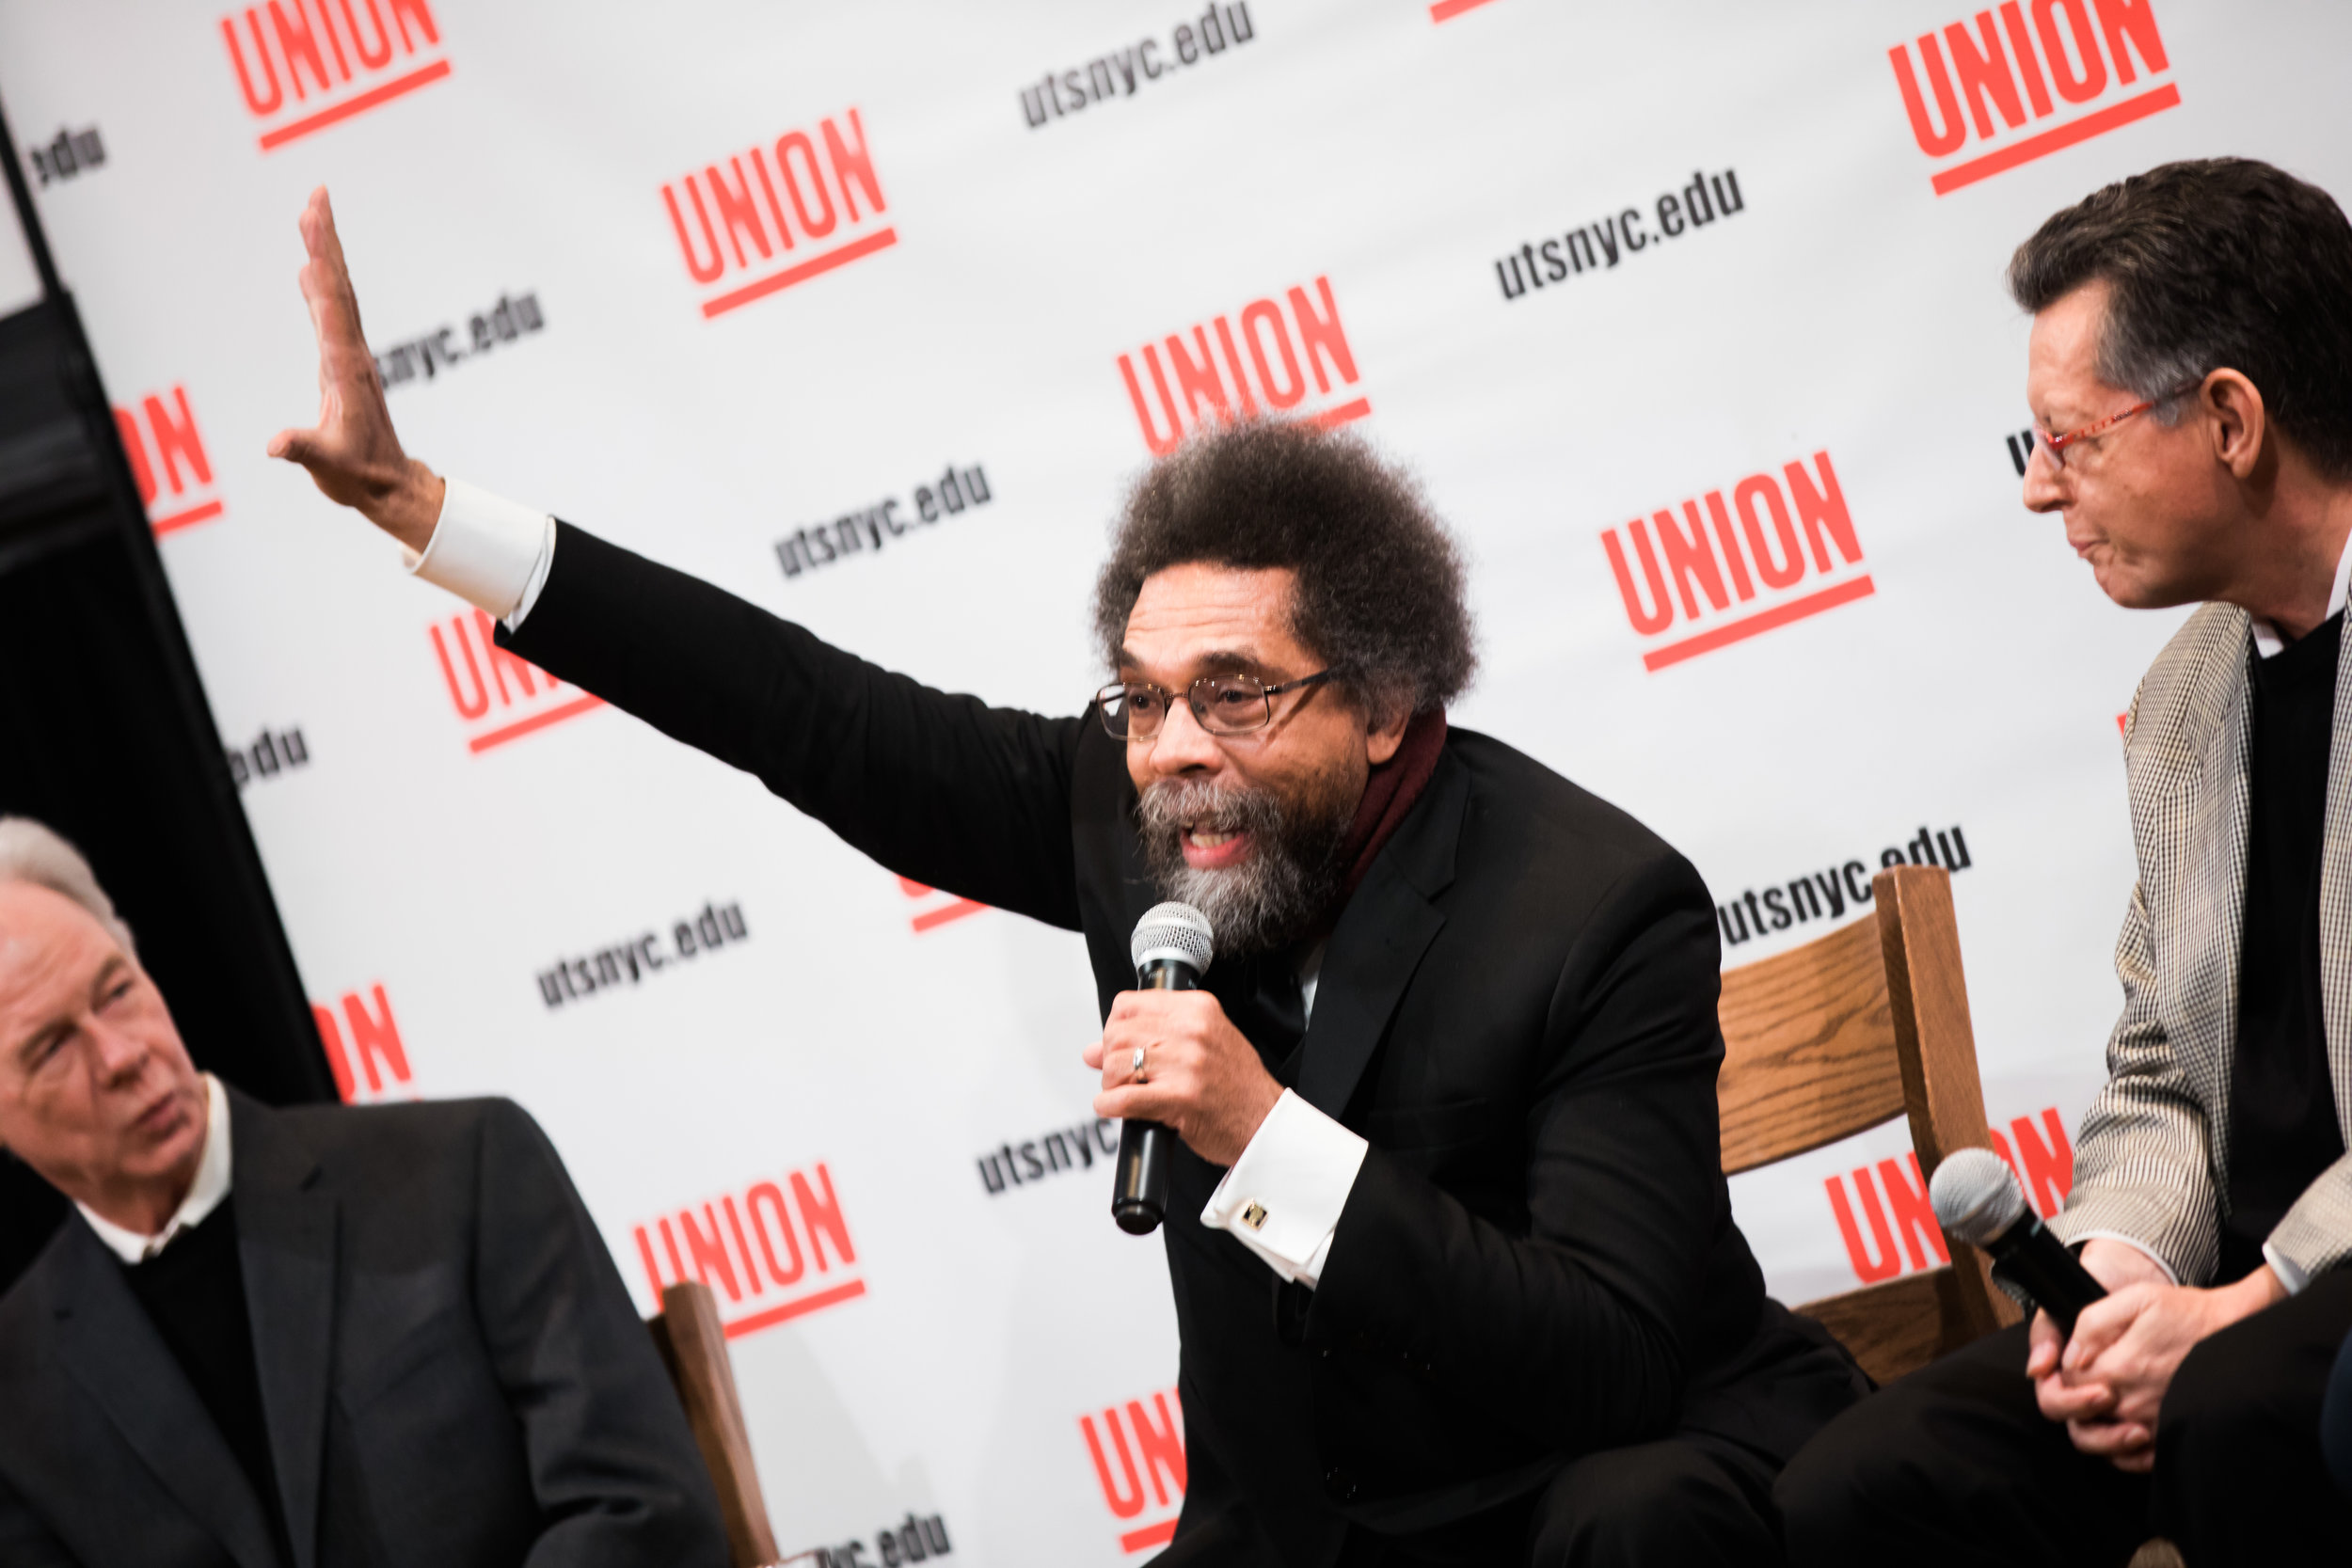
x: 1135, y: 1066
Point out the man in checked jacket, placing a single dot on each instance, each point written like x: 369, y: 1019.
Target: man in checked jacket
x: 2190, y: 379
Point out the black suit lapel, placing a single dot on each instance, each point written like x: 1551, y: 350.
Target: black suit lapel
x: 113, y: 1350
x: 1382, y: 933
x: 286, y: 1238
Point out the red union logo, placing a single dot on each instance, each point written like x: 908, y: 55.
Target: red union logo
x: 167, y: 443
x: 2042, y: 1158
x: 502, y: 697
x: 2061, y: 51
x: 1283, y: 352
x: 822, y: 194
x: 1136, y: 1450
x: 1769, y: 573
x: 763, y: 1255
x: 938, y: 908
x: 313, y: 63
x: 376, y: 1047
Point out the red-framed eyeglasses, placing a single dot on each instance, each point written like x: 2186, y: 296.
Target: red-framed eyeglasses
x: 2056, y: 445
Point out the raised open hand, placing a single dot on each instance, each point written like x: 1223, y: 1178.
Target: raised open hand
x: 351, y: 454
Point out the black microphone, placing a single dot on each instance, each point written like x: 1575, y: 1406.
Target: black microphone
x: 1172, y: 946
x: 1977, y: 1202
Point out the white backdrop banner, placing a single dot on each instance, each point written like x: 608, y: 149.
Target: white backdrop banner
x: 1689, y: 316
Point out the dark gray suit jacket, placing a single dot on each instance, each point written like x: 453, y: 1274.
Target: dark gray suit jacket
x: 452, y: 1371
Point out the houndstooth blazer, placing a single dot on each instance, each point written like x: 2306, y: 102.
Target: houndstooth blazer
x: 2151, y: 1160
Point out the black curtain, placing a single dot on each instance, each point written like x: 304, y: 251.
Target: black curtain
x: 105, y: 734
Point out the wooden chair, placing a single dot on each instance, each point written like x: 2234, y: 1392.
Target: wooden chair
x: 694, y: 1346
x: 1839, y: 1035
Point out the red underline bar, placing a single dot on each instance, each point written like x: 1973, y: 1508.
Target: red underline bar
x: 1763, y: 620
x: 956, y: 911
x: 1341, y: 415
x: 350, y: 106
x: 182, y: 519
x: 775, y: 1315
x: 521, y: 727
x: 1165, y: 1531
x: 800, y: 274
x: 2137, y: 107
x: 1447, y: 10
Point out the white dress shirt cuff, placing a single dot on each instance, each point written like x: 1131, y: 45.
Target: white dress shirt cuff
x: 2290, y: 1273
x: 1282, y: 1198
x: 489, y: 551
x: 2140, y: 1246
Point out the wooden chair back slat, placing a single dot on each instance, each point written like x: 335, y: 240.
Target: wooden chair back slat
x: 1937, y: 1047
x: 1852, y: 1029
x: 1809, y: 1049
x: 694, y: 1346
x: 1927, y: 995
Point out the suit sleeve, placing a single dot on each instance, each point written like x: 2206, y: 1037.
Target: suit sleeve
x: 613, y: 1463
x: 1572, y: 1333
x: 944, y: 789
x: 2143, y: 1165
x: 26, y: 1542
x: 2316, y: 1233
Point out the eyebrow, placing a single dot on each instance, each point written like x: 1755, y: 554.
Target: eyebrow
x: 2069, y: 415
x: 1216, y: 659
x: 25, y: 1049
x: 109, y: 972
x: 115, y: 968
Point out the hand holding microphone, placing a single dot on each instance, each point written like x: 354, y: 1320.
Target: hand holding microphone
x: 1174, y: 1067
x: 1978, y: 1202
x: 2118, y: 1327
x: 1171, y: 948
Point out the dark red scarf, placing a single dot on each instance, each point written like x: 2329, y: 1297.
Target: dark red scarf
x: 1389, y: 792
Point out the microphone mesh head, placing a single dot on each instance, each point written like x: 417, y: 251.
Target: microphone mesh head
x: 1176, y: 931
x: 1975, y: 1196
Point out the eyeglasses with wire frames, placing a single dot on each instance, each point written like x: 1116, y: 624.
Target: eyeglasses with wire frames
x: 1221, y: 705
x: 2056, y: 445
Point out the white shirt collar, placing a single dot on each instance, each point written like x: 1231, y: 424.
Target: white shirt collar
x: 2266, y: 638
x: 205, y: 1195
x: 1310, y: 974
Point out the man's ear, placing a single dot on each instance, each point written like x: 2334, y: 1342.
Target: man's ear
x: 2240, y: 425
x: 1384, y: 731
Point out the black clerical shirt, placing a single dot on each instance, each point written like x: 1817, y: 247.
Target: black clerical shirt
x: 2283, y: 1108
x: 194, y: 1293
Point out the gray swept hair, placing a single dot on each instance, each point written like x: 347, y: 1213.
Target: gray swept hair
x: 32, y: 853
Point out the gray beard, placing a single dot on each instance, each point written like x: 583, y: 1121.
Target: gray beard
x: 1272, y: 898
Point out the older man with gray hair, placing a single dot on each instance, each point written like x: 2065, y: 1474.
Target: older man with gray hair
x: 306, y: 1336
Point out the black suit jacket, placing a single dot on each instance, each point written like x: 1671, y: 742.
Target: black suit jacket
x: 1517, y: 1009
x: 452, y: 1371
